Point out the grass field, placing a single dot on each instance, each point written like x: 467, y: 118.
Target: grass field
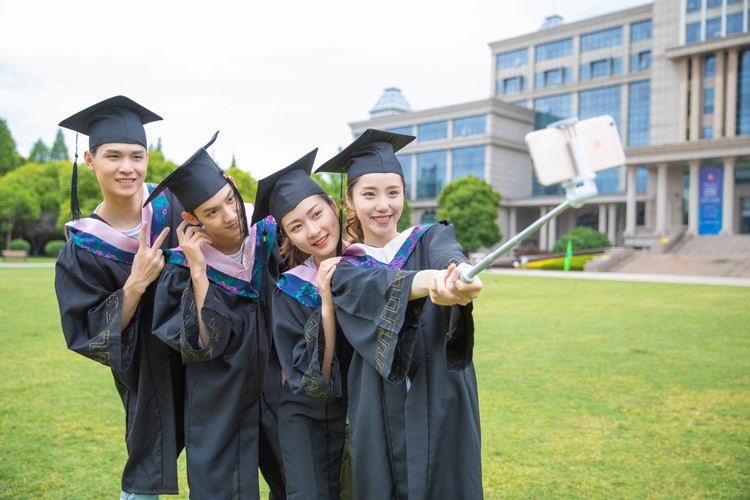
x: 588, y: 389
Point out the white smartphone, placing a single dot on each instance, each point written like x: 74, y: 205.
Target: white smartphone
x: 551, y: 156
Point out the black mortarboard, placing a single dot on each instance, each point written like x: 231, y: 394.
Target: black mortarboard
x: 197, y: 181
x: 281, y: 191
x: 372, y: 152
x: 114, y: 120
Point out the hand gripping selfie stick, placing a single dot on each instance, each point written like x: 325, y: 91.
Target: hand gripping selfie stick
x: 578, y: 191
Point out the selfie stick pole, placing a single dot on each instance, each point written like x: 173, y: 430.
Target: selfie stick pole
x: 577, y: 191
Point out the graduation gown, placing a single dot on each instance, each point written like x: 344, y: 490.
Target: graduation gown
x: 232, y: 383
x: 413, y: 404
x: 89, y: 275
x: 312, y: 413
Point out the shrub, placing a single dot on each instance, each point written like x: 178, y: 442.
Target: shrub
x: 19, y: 244
x: 582, y: 238
x: 52, y: 248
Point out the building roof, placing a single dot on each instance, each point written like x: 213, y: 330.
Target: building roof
x: 392, y: 102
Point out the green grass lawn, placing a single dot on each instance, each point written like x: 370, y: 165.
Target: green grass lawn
x: 588, y: 389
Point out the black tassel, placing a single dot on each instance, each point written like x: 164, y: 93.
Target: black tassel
x: 340, y: 244
x: 75, y: 210
x: 264, y: 269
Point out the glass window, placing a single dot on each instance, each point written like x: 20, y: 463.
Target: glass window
x: 608, y: 181
x: 616, y: 65
x: 734, y: 23
x: 733, y: 1
x: 430, y: 173
x: 601, y: 101
x: 405, y: 161
x: 514, y: 84
x: 640, y: 61
x: 693, y: 5
x: 710, y: 71
x: 432, y: 131
x: 552, y: 50
x: 468, y: 161
x: 708, y: 132
x: 471, y: 125
x: 743, y: 94
x: 640, y: 31
x: 523, y: 104
x: 553, y: 77
x: 567, y: 74
x: 428, y: 217
x: 713, y: 28
x: 585, y: 72
x: 408, y: 130
x: 639, y: 113
x: 539, y: 80
x: 513, y: 59
x: 601, y: 39
x: 708, y: 101
x: 641, y: 179
x: 600, y: 68
x: 693, y: 32
x: 713, y: 3
x: 552, y: 108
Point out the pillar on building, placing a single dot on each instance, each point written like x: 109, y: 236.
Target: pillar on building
x: 719, y: 85
x: 661, y: 199
x: 630, y: 206
x: 694, y: 133
x: 552, y: 233
x: 543, y: 230
x: 602, y: 218
x: 512, y: 222
x: 693, y: 194
x: 727, y: 205
x: 612, y: 224
x: 730, y: 117
x: 682, y: 113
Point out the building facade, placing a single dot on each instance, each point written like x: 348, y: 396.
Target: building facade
x: 674, y: 74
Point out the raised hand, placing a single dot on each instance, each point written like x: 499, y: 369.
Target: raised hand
x: 447, y: 289
x: 148, y: 261
x: 325, y: 273
x: 191, y: 238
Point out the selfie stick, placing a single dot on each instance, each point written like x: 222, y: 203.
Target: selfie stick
x: 577, y: 191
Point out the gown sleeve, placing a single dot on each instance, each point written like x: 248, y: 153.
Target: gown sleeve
x: 300, y: 345
x: 89, y: 294
x: 376, y: 316
x: 176, y: 318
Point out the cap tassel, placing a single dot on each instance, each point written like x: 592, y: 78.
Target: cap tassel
x: 264, y: 269
x: 75, y: 211
x: 340, y: 244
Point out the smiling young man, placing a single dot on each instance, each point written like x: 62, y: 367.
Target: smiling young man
x: 104, y: 276
x: 209, y: 308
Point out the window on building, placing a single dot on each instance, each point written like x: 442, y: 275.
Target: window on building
x: 428, y: 217
x: 708, y: 132
x: 641, y: 179
x: 432, y: 131
x: 470, y: 125
x: 639, y: 113
x: 733, y: 1
x: 640, y: 61
x: 513, y: 59
x: 431, y: 169
x: 693, y: 5
x: 405, y: 161
x: 552, y: 50
x: 601, y: 101
x: 409, y: 130
x: 710, y: 66
x: 601, y: 68
x: 713, y: 28
x: 601, y: 39
x: 713, y: 3
x: 743, y: 94
x: 468, y: 161
x: 523, y: 104
x: 608, y: 181
x: 693, y: 32
x: 513, y: 84
x: 640, y: 31
x: 734, y: 23
x: 552, y: 108
x: 708, y: 101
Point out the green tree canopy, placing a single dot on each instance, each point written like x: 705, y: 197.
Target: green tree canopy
x: 471, y: 206
x: 40, y: 153
x: 17, y: 203
x: 403, y: 222
x: 583, y: 238
x: 246, y: 185
x: 9, y: 158
x: 59, y: 151
x: 89, y: 193
x: 158, y: 167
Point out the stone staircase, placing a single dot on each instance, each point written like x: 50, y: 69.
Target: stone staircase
x: 693, y: 255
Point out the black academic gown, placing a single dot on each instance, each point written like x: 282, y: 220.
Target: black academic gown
x: 232, y: 382
x: 413, y: 403
x: 312, y: 413
x: 90, y: 272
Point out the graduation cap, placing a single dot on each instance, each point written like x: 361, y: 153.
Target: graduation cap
x: 114, y: 120
x: 372, y: 152
x: 281, y: 192
x: 197, y: 181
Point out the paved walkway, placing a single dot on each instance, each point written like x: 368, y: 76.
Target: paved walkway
x: 656, y: 278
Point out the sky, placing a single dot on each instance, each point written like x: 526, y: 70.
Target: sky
x: 277, y: 78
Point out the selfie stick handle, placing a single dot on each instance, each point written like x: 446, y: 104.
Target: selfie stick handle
x: 577, y: 191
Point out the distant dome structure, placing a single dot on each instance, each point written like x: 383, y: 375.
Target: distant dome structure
x: 392, y: 102
x: 551, y: 21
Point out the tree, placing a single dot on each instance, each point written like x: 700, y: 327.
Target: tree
x: 403, y: 222
x: 158, y: 167
x: 471, y: 206
x: 9, y: 159
x: 246, y: 185
x: 583, y: 238
x: 17, y: 203
x: 89, y: 193
x: 59, y: 151
x: 40, y: 153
